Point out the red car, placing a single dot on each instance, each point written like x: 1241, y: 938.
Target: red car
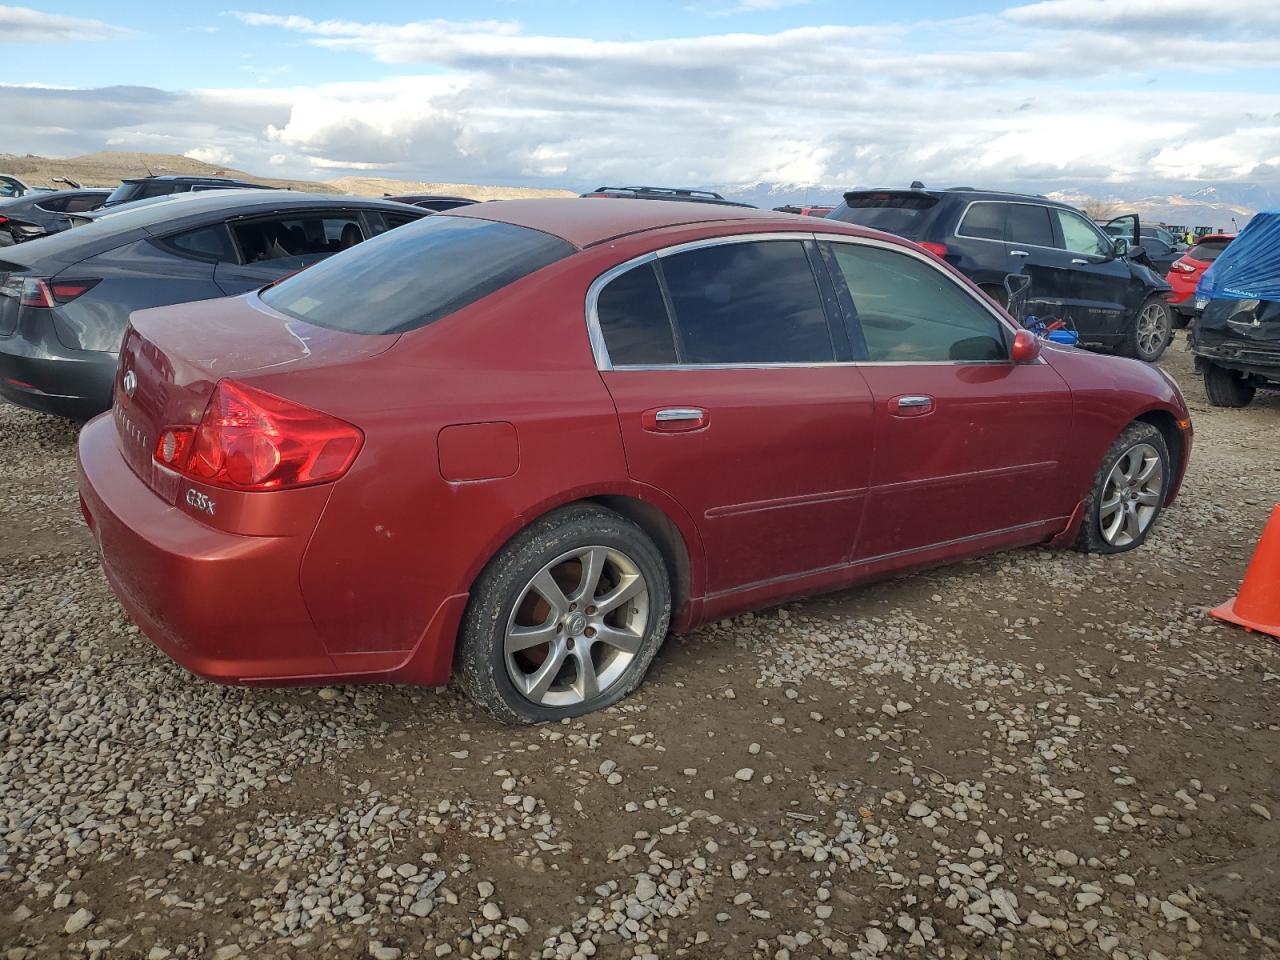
x: 521, y: 441
x: 1186, y: 271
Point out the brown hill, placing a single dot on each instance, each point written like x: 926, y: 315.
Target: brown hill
x: 108, y: 168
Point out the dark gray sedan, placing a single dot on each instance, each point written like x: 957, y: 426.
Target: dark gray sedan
x: 39, y: 214
x: 65, y: 299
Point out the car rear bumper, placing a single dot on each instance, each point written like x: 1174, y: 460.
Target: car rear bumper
x: 224, y: 606
x: 51, y: 378
x: 227, y: 607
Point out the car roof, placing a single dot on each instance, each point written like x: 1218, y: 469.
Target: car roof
x: 965, y: 193
x: 183, y: 177
x: 585, y: 222
x: 403, y: 197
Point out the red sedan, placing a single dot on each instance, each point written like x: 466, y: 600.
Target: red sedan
x: 1186, y: 271
x: 521, y: 441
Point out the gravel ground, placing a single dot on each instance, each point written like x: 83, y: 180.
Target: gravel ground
x: 1036, y: 754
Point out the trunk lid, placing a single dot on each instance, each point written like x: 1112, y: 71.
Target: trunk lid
x: 173, y: 357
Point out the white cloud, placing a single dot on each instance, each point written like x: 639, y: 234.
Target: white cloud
x: 24, y: 25
x: 1013, y: 99
x: 216, y: 155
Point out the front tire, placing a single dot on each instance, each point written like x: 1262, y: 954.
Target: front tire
x: 1128, y: 492
x: 1151, y: 331
x: 1226, y: 388
x: 565, y: 619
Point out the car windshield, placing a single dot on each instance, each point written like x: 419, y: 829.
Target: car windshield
x: 414, y: 275
x: 900, y: 213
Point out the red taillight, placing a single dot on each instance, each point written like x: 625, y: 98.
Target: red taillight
x: 252, y: 440
x: 4, y: 219
x: 1183, y: 267
x: 937, y: 249
x: 48, y: 294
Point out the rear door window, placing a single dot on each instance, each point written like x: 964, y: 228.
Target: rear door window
x: 53, y: 204
x: 307, y: 238
x: 1029, y: 223
x: 411, y: 277
x: 983, y: 220
x: 911, y: 312
x: 752, y: 302
x: 634, y: 321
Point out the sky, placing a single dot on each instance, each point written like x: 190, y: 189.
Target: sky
x: 1088, y: 94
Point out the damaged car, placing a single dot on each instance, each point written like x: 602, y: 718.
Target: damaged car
x: 1236, y: 341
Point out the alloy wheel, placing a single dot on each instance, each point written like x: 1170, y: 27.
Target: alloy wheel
x: 1132, y: 495
x: 1153, y: 328
x: 576, y: 627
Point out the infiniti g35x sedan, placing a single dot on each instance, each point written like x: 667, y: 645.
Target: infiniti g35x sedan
x: 522, y: 441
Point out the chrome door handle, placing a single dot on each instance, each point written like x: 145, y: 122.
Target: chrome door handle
x: 905, y: 402
x: 674, y: 414
x: 675, y: 419
x: 1019, y: 253
x: 1078, y: 260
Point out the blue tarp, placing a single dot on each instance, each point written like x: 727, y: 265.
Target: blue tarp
x: 1249, y: 269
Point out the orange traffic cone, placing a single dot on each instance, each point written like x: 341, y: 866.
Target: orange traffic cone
x: 1257, y: 605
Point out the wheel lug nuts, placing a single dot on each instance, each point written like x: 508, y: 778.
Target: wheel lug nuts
x: 591, y: 631
x: 591, y: 609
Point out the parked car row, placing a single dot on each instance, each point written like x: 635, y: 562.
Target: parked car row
x: 518, y: 442
x: 65, y: 299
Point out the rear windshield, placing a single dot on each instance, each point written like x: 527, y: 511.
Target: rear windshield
x: 1207, y: 250
x: 900, y: 213
x: 415, y: 275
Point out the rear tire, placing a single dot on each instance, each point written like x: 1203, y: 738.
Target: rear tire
x: 565, y: 619
x: 1128, y: 492
x: 1226, y: 388
x: 1150, y: 332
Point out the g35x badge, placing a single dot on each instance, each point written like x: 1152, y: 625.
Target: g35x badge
x: 200, y: 501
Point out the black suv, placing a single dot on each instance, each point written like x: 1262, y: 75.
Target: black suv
x: 141, y: 188
x: 1076, y: 270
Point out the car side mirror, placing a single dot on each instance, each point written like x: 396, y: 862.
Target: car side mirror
x: 1119, y: 248
x: 1026, y: 347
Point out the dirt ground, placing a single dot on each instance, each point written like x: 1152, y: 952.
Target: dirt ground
x: 1036, y: 754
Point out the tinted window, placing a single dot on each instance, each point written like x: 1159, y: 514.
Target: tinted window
x: 306, y: 237
x: 1079, y: 235
x: 382, y: 222
x: 1207, y: 250
x: 900, y: 213
x: 54, y: 204
x: 1028, y: 223
x: 910, y: 311
x: 87, y: 201
x: 752, y: 302
x: 984, y: 221
x: 413, y: 276
x: 205, y: 243
x: 633, y: 318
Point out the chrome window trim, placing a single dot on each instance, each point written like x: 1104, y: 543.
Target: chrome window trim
x: 600, y: 350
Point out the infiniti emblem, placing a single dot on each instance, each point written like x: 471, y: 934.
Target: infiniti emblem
x: 130, y: 383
